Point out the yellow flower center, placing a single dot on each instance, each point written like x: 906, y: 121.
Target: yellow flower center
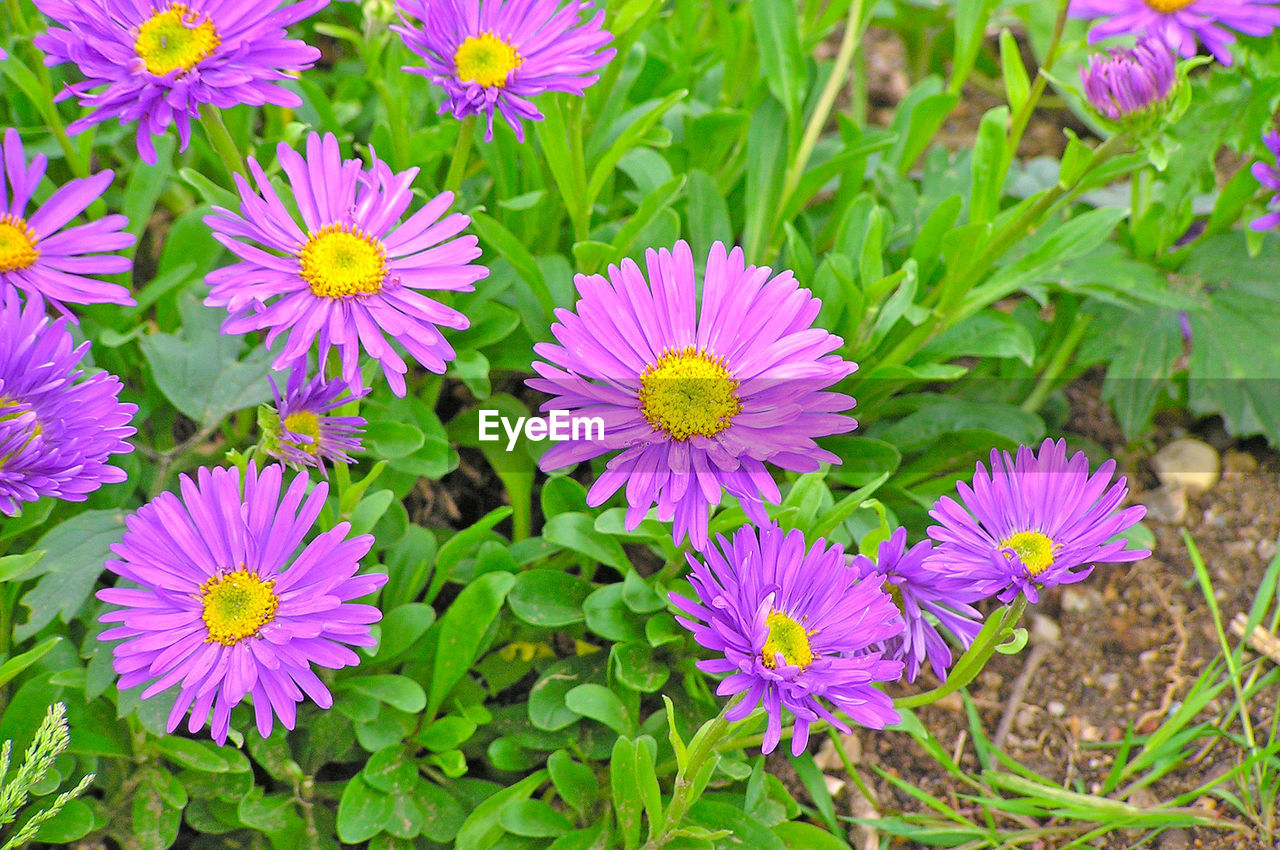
x: 689, y: 392
x: 237, y: 605
x: 17, y: 244
x: 486, y: 60
x: 306, y: 423
x: 789, y: 638
x: 1168, y: 6
x: 175, y: 40
x: 341, y: 260
x: 1034, y: 549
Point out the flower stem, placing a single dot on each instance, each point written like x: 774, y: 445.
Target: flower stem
x: 818, y: 120
x: 220, y: 140
x: 701, y: 758
x: 1020, y: 121
x: 461, y: 153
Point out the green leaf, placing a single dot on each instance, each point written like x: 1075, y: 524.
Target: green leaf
x: 196, y: 755
x: 401, y: 628
x: 601, y: 704
x: 781, y: 56
x: 628, y: 139
x: 634, y: 665
x: 533, y: 818
x: 391, y: 770
x: 548, y: 598
x: 482, y: 828
x: 11, y: 668
x: 391, y: 440
x: 13, y: 567
x: 74, y: 554
x: 988, y: 166
x: 1017, y: 85
x: 626, y: 791
x: 461, y: 630
x: 362, y: 811
x: 200, y: 371
x: 575, y: 782
x: 73, y: 822
x: 547, y: 709
x: 578, y: 532
x: 442, y: 814
x: 398, y: 691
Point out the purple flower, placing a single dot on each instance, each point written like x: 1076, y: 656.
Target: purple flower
x: 225, y: 610
x: 57, y: 431
x: 1269, y: 176
x: 1038, y: 521
x: 1178, y: 23
x: 792, y: 626
x: 493, y: 55
x: 157, y: 61
x: 39, y: 256
x: 919, y: 591
x: 301, y: 432
x: 349, y: 276
x: 1121, y: 83
x: 696, y: 399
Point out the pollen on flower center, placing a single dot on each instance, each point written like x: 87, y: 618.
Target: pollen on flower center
x: 486, y: 60
x: 307, y: 424
x: 175, y: 39
x: 789, y: 638
x: 340, y: 260
x: 237, y: 605
x: 1168, y: 6
x: 17, y: 244
x: 689, y: 392
x: 1034, y: 549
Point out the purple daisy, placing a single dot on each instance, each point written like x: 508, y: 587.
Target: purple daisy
x: 57, y: 431
x: 349, y: 276
x: 1121, y: 83
x: 493, y: 55
x: 301, y: 432
x: 696, y: 399
x: 792, y: 626
x: 39, y: 256
x: 224, y: 608
x: 921, y: 593
x: 1037, y: 521
x: 1269, y: 176
x: 157, y: 61
x: 1178, y: 23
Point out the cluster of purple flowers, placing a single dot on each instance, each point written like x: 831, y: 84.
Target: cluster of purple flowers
x: 702, y: 389
x: 698, y: 395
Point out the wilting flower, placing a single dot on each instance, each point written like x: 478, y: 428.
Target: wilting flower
x: 39, y: 256
x: 349, y: 276
x: 1178, y: 23
x: 223, y: 608
x: 57, y: 427
x: 493, y: 55
x: 792, y: 626
x: 1037, y: 521
x: 695, y: 398
x: 1122, y: 83
x: 158, y: 62
x: 301, y: 431
x: 920, y: 593
x: 1269, y: 176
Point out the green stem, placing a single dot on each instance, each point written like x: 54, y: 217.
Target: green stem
x: 220, y: 140
x: 950, y: 294
x: 818, y: 120
x: 955, y: 681
x: 686, y: 790
x: 1057, y: 363
x: 458, y: 166
x: 1020, y: 121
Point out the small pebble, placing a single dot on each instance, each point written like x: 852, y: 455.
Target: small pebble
x: 1234, y: 461
x: 1045, y: 630
x: 1109, y: 681
x: 1266, y: 549
x: 1167, y: 505
x: 1088, y: 732
x: 1175, y: 839
x: 1189, y: 465
x: 1024, y: 720
x: 1056, y: 708
x: 1080, y: 600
